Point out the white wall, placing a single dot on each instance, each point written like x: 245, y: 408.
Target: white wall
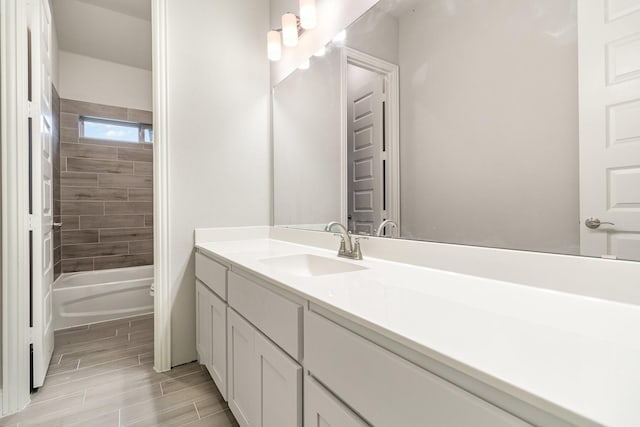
x: 93, y: 80
x: 489, y: 130
x: 219, y: 145
x: 306, y: 144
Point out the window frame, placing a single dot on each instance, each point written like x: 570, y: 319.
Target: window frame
x: 142, y: 127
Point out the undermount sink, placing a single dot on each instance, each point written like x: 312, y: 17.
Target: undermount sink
x: 310, y: 265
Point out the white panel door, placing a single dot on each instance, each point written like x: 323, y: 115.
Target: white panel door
x: 41, y: 205
x: 609, y: 64
x: 279, y: 386
x: 321, y: 409
x: 241, y: 366
x: 365, y: 156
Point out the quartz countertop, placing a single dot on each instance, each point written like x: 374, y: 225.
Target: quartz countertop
x: 573, y: 356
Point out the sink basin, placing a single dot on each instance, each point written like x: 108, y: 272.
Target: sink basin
x: 310, y: 265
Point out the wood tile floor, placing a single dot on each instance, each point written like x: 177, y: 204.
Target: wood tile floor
x: 103, y: 376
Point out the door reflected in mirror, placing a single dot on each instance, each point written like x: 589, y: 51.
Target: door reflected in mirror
x: 471, y: 123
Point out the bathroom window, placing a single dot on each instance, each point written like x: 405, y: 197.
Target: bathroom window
x: 115, y: 130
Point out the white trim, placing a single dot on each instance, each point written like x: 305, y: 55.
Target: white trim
x: 161, y: 236
x: 390, y: 72
x: 15, y: 179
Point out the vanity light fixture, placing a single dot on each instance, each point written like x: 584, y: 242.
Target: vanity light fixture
x: 292, y: 27
x: 274, y: 45
x: 308, y: 14
x: 289, y: 30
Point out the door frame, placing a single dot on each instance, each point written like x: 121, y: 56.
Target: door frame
x: 391, y: 73
x: 14, y: 112
x: 161, y: 175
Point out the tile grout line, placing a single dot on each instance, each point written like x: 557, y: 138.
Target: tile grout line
x: 196, y: 408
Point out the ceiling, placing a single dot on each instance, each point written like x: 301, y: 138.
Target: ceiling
x: 112, y: 30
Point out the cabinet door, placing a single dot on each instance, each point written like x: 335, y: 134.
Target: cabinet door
x: 218, y: 359
x: 279, y: 386
x: 321, y: 409
x: 203, y: 322
x: 241, y: 367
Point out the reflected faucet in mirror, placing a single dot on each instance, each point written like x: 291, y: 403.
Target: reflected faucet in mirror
x: 347, y: 248
x: 383, y: 225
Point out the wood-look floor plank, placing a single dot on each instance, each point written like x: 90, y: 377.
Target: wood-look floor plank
x: 220, y: 419
x: 102, y: 375
x: 132, y: 414
x: 94, y: 370
x: 111, y: 419
x: 210, y: 405
x: 178, y: 416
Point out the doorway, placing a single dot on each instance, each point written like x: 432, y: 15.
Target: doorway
x: 370, y: 151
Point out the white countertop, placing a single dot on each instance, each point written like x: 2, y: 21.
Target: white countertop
x: 564, y: 353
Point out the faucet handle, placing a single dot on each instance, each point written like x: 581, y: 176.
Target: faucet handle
x: 342, y: 248
x: 357, y: 252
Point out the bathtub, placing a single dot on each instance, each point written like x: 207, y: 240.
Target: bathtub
x: 97, y: 296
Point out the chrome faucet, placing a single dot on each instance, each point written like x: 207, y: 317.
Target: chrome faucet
x: 347, y: 248
x: 383, y: 225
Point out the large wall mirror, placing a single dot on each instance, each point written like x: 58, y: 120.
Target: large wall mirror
x: 498, y: 123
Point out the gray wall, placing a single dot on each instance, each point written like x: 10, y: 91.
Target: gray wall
x: 306, y: 144
x: 106, y: 193
x: 489, y: 131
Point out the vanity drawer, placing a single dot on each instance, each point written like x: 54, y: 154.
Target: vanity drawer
x: 277, y: 317
x: 212, y: 274
x: 386, y: 389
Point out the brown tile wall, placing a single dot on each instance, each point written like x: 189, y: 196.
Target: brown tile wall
x: 55, y: 151
x: 106, y: 193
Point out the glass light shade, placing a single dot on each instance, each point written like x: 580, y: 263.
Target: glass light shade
x: 308, y: 14
x: 274, y: 45
x: 305, y: 65
x: 289, y: 29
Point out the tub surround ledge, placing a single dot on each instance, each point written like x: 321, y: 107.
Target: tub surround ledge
x: 566, y: 354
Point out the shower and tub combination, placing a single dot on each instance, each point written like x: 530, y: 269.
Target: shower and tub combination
x: 103, y: 206
x: 89, y: 297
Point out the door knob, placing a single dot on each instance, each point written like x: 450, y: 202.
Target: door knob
x: 594, y: 223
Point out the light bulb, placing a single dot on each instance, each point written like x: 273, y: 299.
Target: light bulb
x: 321, y: 51
x: 289, y: 29
x: 305, y: 65
x: 340, y: 37
x: 308, y: 14
x: 274, y: 45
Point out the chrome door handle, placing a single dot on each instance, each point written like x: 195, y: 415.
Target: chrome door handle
x: 594, y: 223
x: 57, y: 224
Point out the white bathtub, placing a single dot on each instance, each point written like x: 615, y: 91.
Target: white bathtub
x: 97, y: 296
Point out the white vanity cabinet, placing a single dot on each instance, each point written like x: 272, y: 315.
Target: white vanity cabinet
x: 264, y: 346
x: 386, y: 389
x: 321, y: 409
x: 211, y: 319
x: 265, y: 384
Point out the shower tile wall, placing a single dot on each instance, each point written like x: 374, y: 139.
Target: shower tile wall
x: 106, y: 193
x: 55, y: 152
